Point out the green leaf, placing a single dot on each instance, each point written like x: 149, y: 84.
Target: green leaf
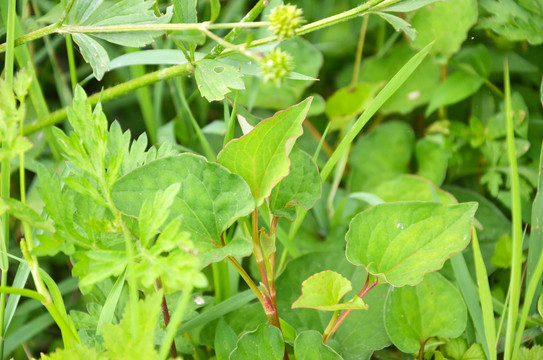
x: 540, y: 305
x: 367, y: 325
x: 76, y: 352
x: 261, y: 156
x: 448, y: 22
x: 225, y: 340
x: 412, y: 188
x: 516, y: 20
x: 216, y: 79
x: 416, y: 90
x: 215, y: 9
x: 534, y: 353
x: 409, y: 5
x: 455, y: 88
x: 94, y: 54
x: 154, y: 213
x: 432, y: 160
x: 100, y: 13
x: 264, y: 343
x: 122, y: 342
x: 399, y: 24
x: 381, y: 155
x: 209, y: 253
x: 25, y: 213
x: 210, y: 199
x: 309, y: 346
x: 432, y: 308
x: 324, y: 291
x: 456, y: 348
x: 351, y: 100
x: 475, y: 352
x: 400, y: 242
x: 302, y: 187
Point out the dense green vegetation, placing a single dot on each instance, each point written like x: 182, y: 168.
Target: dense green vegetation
x: 235, y: 179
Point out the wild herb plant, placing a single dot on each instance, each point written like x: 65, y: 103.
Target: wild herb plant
x: 347, y: 250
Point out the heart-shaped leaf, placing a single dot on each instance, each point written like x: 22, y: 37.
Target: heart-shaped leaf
x: 302, y: 187
x: 261, y: 156
x: 400, y: 242
x: 324, y: 291
x: 432, y: 308
x: 209, y: 200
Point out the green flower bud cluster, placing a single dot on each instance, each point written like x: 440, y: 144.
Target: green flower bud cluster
x: 285, y: 20
x: 276, y: 65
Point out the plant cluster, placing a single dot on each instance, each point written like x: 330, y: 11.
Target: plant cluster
x: 275, y: 226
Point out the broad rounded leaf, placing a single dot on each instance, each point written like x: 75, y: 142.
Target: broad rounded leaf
x: 324, y: 291
x: 210, y: 198
x: 265, y: 343
x: 261, y: 156
x: 309, y: 346
x: 367, y: 325
x: 412, y: 188
x: 448, y: 22
x: 381, y: 155
x: 302, y: 187
x: 432, y: 308
x: 400, y: 242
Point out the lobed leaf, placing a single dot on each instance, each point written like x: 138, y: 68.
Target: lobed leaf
x: 215, y: 79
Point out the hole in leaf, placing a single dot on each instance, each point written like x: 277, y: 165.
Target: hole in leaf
x: 218, y: 69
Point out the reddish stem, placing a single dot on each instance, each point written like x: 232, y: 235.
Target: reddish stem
x: 366, y: 289
x: 166, y: 316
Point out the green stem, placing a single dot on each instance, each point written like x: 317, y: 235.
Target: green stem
x: 23, y: 292
x: 71, y: 60
x: 112, y: 93
x: 231, y: 127
x: 368, y: 6
x: 234, y: 33
x: 6, y: 173
x: 359, y: 49
x: 175, y: 320
x: 247, y: 278
x: 516, y: 261
x: 75, y: 29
